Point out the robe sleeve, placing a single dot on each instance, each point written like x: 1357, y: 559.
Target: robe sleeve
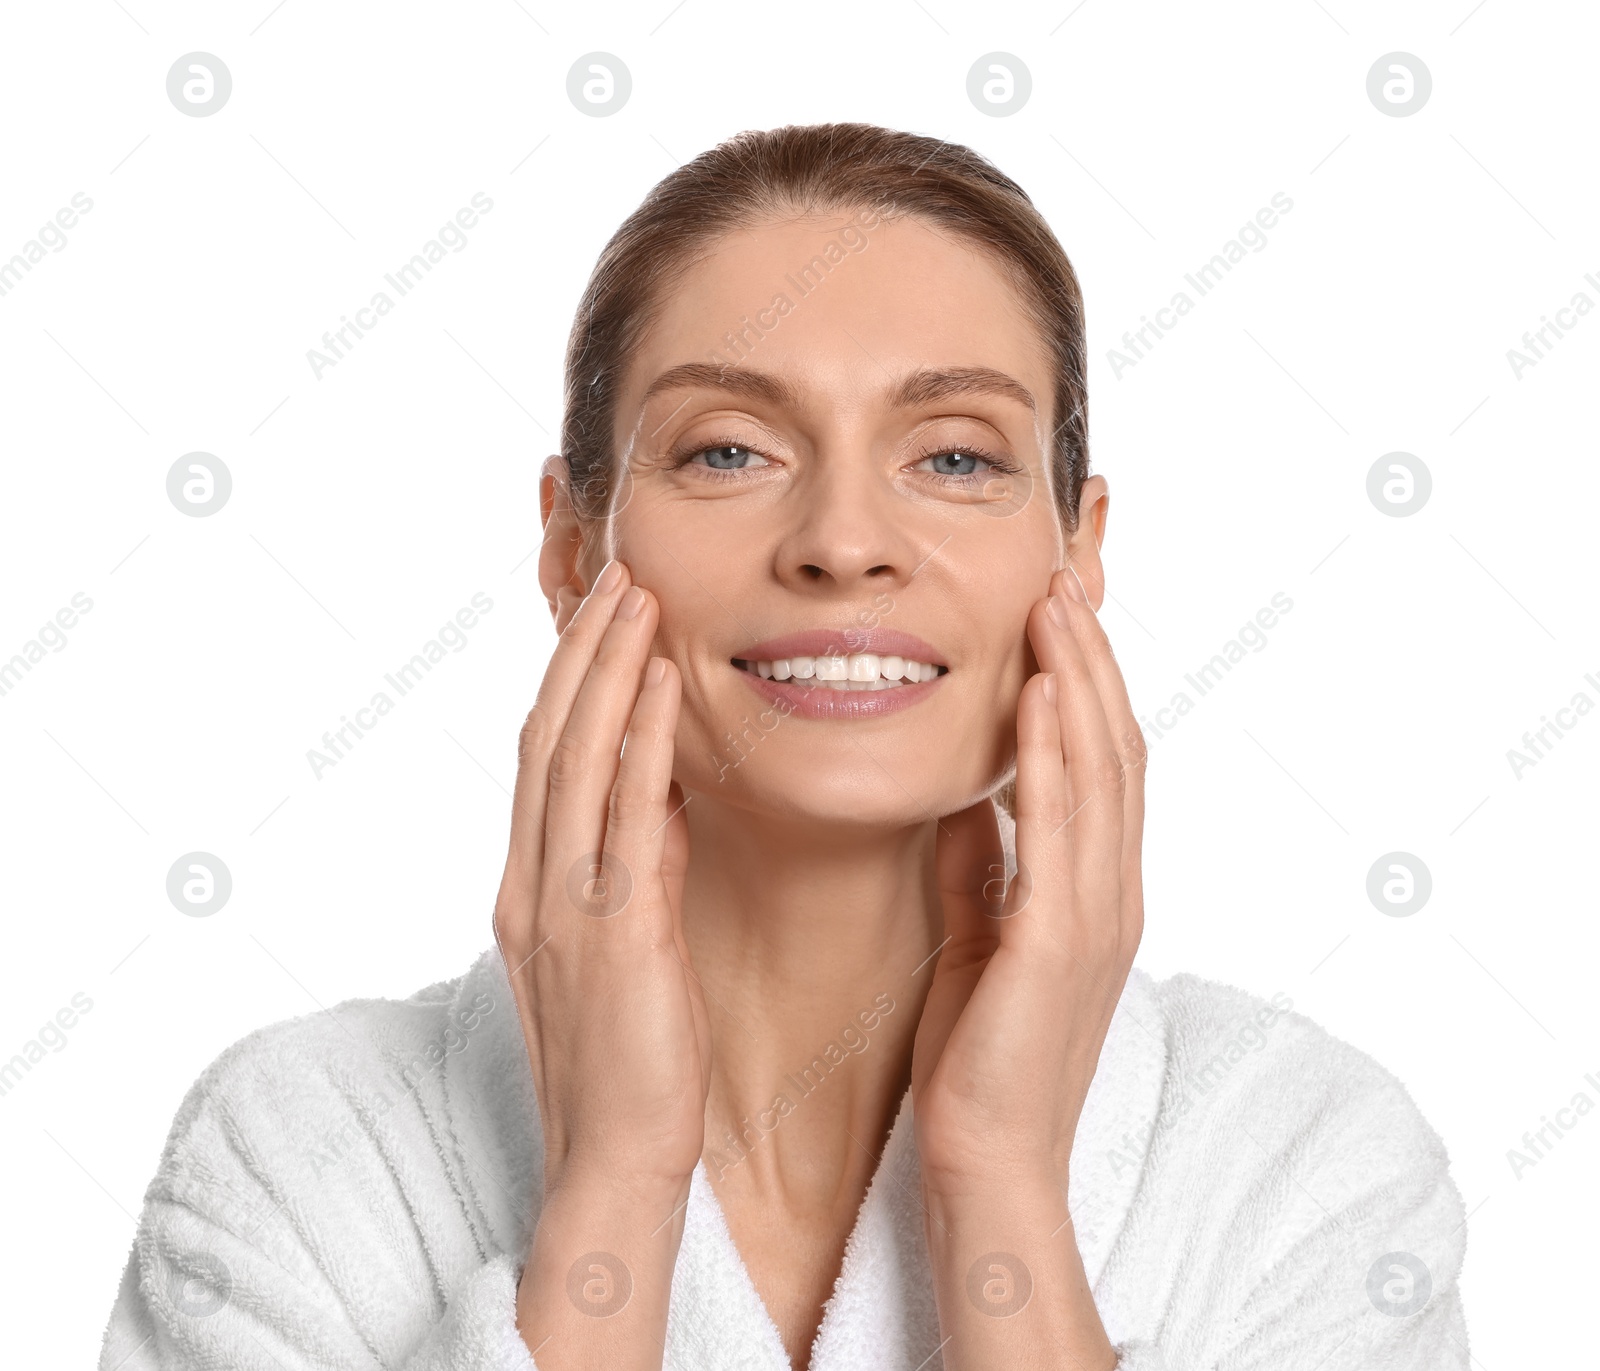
x: 1297, y: 1210
x: 194, y: 1296
x: 302, y: 1220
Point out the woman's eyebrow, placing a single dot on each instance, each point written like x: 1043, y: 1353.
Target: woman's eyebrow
x: 927, y: 384
x: 752, y: 385
x: 919, y: 387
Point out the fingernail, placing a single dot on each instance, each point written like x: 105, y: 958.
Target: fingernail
x: 607, y: 580
x: 631, y: 604
x: 655, y: 671
x: 1075, y: 587
x: 1057, y: 611
x: 1050, y: 688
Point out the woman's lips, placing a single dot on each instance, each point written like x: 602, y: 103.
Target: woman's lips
x: 810, y: 700
x: 890, y: 671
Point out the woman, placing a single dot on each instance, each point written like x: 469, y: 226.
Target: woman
x: 796, y: 1049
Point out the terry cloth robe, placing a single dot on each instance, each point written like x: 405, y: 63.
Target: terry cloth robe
x: 356, y: 1189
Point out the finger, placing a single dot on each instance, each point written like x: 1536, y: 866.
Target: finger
x: 675, y: 850
x: 638, y: 812
x: 584, y: 763
x: 970, y: 865
x: 674, y: 871
x: 569, y: 665
x: 1043, y: 804
x: 1094, y: 769
x: 1129, y: 741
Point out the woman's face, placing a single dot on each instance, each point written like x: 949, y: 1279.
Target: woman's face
x: 838, y: 467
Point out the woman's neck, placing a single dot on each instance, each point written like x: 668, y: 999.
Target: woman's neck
x: 814, y: 945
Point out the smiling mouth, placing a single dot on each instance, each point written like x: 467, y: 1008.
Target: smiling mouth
x: 854, y: 671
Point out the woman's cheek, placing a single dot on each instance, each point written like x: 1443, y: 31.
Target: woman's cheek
x: 1000, y: 696
x: 699, y: 763
x: 1003, y: 724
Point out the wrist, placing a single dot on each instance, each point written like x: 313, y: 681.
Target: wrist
x: 639, y: 1221
x: 1019, y: 1213
x: 1028, y: 1190
x: 600, y: 1246
x: 1008, y: 1275
x: 608, y: 1184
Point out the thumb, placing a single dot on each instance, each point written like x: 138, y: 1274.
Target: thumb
x: 674, y: 871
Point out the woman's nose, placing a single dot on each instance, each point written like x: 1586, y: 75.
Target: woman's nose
x: 848, y: 527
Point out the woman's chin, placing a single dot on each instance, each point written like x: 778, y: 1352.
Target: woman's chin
x: 866, y: 792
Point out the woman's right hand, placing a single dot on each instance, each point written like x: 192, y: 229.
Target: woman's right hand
x: 589, y: 922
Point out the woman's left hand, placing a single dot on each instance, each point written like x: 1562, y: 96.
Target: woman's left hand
x: 1022, y: 995
x: 1024, y: 990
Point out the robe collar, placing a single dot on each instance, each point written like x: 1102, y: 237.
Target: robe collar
x: 881, y: 1311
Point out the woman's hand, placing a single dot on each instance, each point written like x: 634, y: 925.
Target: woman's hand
x: 1023, y: 994
x: 588, y: 920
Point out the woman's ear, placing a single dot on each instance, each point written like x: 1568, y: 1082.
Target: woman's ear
x: 561, y: 554
x: 1083, y: 546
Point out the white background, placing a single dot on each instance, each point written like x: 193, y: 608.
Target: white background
x: 372, y: 503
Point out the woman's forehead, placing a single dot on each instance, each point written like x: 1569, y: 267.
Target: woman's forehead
x: 908, y: 306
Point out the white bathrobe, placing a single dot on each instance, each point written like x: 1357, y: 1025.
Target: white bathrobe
x: 357, y: 1189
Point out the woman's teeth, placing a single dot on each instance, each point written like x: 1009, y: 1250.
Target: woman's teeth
x: 857, y: 671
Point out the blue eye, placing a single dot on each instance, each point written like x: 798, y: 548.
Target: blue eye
x: 955, y: 463
x: 727, y: 458
x: 963, y: 464
x: 722, y: 458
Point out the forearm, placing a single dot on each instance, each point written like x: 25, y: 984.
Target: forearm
x: 595, y: 1291
x: 1010, y: 1283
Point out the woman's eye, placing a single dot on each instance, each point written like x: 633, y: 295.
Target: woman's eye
x: 728, y: 457
x: 956, y: 463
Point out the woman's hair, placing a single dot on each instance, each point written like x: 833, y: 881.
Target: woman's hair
x: 814, y: 169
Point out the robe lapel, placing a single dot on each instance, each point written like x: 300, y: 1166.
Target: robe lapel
x: 881, y: 1313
